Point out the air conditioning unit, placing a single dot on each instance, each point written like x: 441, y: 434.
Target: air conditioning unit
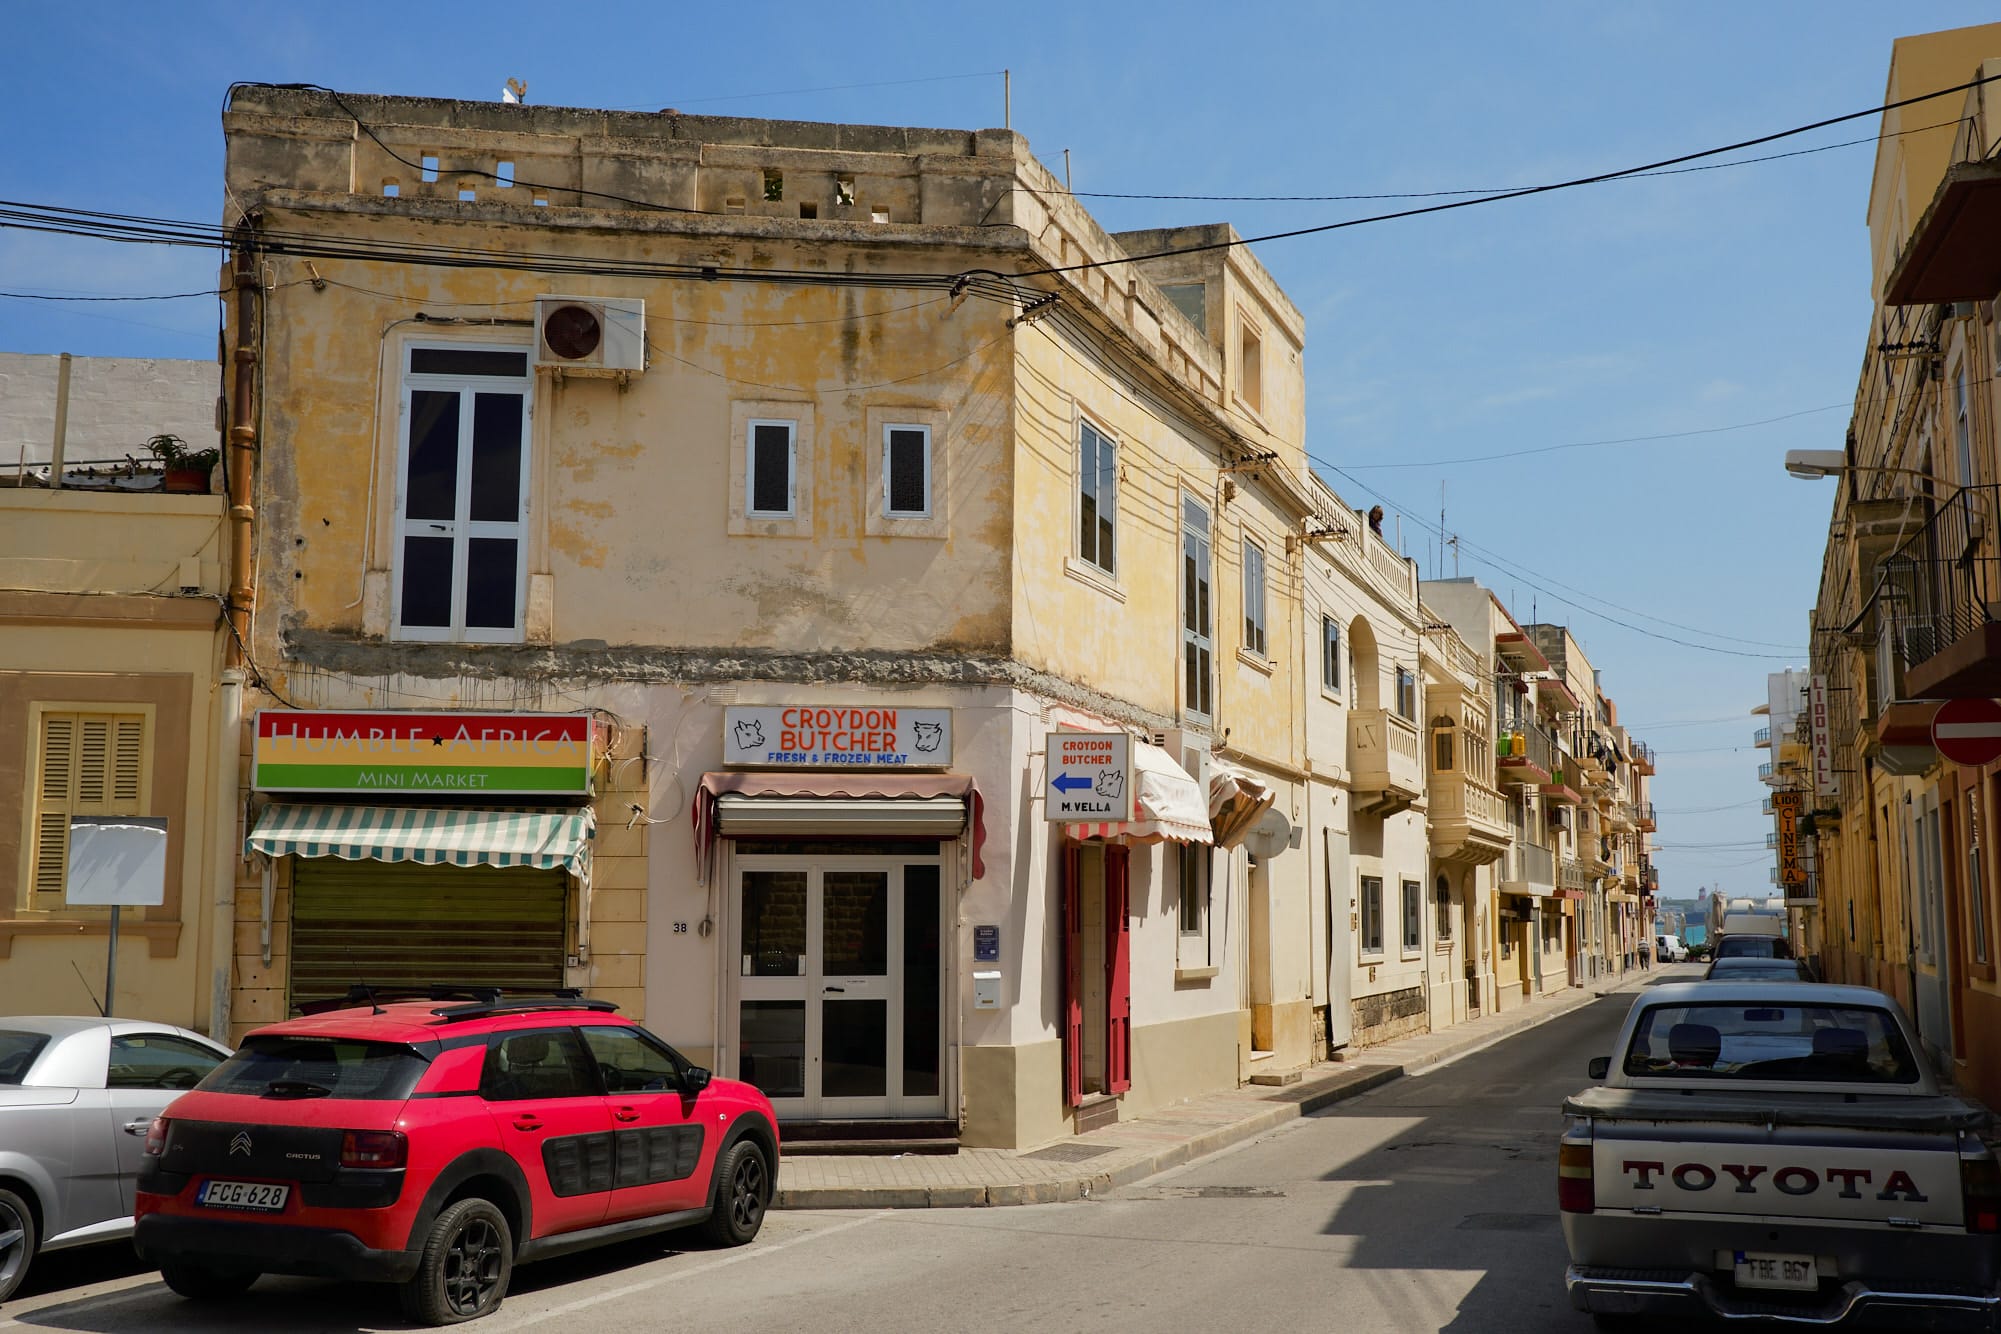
x: 591, y: 335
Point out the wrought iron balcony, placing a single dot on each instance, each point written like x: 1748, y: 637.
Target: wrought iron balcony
x: 1939, y: 600
x: 1525, y: 755
x: 1643, y: 758
x: 1643, y: 817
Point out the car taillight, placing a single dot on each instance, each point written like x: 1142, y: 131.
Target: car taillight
x: 1980, y: 1193
x: 373, y: 1148
x: 156, y: 1137
x: 1573, y: 1177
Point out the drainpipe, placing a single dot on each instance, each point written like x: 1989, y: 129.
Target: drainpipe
x: 228, y: 854
x: 60, y: 441
x: 242, y: 452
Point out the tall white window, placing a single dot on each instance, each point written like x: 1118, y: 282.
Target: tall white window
x: 906, y: 471
x: 1097, y: 497
x: 1198, y: 645
x: 1413, y: 916
x: 771, y: 469
x: 84, y: 764
x: 1254, y: 598
x: 1193, y: 949
x: 1407, y: 693
x: 1330, y: 653
x: 462, y: 494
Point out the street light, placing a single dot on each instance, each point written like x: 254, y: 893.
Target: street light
x: 1813, y: 464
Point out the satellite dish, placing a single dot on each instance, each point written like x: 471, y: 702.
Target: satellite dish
x: 1271, y: 835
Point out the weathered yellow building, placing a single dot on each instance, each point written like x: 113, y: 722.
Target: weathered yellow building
x: 112, y: 707
x: 827, y: 478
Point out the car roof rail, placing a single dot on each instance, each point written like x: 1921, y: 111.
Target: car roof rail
x: 363, y: 994
x: 566, y: 998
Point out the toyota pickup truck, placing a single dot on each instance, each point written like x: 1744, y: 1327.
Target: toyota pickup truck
x: 1777, y: 1150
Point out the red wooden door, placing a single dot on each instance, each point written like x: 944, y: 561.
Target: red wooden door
x: 1073, y: 975
x: 1118, y: 970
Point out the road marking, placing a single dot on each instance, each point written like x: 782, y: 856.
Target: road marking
x: 493, y: 1325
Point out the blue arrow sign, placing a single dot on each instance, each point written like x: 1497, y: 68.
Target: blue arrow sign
x: 1069, y: 782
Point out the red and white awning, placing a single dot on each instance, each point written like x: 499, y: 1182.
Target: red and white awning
x: 1167, y: 805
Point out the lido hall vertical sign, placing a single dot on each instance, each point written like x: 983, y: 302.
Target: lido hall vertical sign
x: 484, y: 754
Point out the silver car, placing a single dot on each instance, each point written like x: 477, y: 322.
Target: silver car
x: 77, y: 1096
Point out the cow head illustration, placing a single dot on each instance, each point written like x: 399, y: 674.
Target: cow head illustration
x: 749, y: 734
x: 930, y: 736
x: 1111, y: 783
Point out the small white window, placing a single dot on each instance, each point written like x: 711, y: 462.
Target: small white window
x: 1254, y: 598
x: 1406, y: 693
x: 1193, y: 872
x: 1330, y: 654
x: 1372, y: 916
x: 906, y: 471
x: 1250, y: 367
x: 771, y: 469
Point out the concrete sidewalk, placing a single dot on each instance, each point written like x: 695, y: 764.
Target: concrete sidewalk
x: 1092, y: 1164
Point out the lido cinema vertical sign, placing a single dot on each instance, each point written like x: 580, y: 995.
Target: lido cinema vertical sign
x: 800, y: 736
x: 490, y: 754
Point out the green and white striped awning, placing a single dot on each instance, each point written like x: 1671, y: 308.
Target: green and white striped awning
x: 437, y: 836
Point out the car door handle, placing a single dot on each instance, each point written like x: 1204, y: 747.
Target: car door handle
x: 526, y: 1123
x: 137, y: 1127
x: 625, y: 1113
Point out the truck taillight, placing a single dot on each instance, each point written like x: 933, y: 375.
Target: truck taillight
x: 373, y: 1148
x: 1573, y: 1177
x: 156, y: 1137
x: 1980, y: 1193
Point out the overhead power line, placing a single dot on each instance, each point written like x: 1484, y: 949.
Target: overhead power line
x: 1483, y: 190
x: 1572, y: 184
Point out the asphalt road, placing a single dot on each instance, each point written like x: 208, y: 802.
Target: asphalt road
x: 1426, y: 1205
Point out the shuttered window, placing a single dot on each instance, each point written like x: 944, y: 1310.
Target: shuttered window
x: 85, y: 764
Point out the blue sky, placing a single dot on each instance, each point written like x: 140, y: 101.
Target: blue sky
x: 1637, y: 308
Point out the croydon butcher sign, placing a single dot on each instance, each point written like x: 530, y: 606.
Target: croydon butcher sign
x: 826, y: 736
x: 488, y: 754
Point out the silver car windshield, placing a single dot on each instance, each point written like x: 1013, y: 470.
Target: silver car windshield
x: 18, y: 1052
x: 1752, y: 1042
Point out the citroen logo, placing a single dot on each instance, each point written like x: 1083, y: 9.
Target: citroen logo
x: 240, y: 1144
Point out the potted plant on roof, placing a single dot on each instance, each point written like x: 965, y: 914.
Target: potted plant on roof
x: 186, y: 470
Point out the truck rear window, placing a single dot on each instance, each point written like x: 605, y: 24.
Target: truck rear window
x: 1783, y: 1042
x: 315, y: 1067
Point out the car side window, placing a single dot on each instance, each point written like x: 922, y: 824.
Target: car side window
x: 157, y: 1061
x: 629, y: 1061
x: 540, y: 1063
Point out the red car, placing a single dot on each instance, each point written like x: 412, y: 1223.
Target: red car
x: 435, y: 1144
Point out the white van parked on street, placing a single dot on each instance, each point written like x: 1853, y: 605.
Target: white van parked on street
x: 1669, y: 949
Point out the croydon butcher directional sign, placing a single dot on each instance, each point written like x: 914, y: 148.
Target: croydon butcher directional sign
x: 1090, y: 776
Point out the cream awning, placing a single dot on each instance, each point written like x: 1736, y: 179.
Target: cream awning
x: 1167, y: 804
x: 430, y: 836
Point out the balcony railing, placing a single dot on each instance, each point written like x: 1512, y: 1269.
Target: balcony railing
x: 1939, y: 599
x: 1762, y: 737
x: 1525, y: 753
x: 1771, y: 840
x: 1643, y: 758
x: 1532, y: 865
x: 1643, y: 817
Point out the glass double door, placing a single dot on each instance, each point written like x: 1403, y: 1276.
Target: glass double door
x: 840, y: 985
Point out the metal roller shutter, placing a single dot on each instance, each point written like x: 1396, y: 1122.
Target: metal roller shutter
x: 405, y: 925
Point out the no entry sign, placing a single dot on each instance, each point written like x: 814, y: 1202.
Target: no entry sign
x: 1968, y: 731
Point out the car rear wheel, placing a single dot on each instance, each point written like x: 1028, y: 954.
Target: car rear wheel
x: 200, y: 1283
x: 468, y: 1259
x: 17, y: 1242
x: 743, y: 1192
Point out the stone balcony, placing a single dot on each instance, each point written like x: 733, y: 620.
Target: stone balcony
x: 1385, y: 761
x: 1469, y: 819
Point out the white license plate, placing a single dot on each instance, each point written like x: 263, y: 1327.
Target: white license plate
x: 1756, y: 1269
x: 255, y: 1195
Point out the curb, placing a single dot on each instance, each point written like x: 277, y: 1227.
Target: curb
x: 1290, y: 1105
